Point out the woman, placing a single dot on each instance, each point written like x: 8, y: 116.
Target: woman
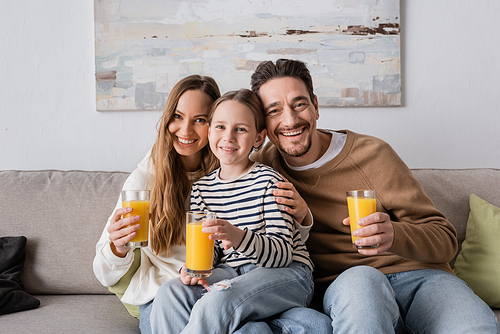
x: 179, y: 156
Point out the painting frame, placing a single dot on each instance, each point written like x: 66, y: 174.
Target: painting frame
x: 352, y: 48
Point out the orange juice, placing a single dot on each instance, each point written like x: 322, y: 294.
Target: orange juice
x: 360, y: 206
x: 141, y: 208
x: 199, y: 251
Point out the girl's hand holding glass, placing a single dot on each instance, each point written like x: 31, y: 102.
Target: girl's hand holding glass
x: 223, y: 230
x: 188, y: 280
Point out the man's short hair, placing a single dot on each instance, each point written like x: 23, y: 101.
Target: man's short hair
x: 267, y: 71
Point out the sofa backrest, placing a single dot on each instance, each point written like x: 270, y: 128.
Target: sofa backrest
x: 62, y: 214
x: 450, y: 189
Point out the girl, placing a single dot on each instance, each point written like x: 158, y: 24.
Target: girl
x: 179, y: 156
x: 259, y: 249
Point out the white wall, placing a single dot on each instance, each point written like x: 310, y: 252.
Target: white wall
x: 48, y: 120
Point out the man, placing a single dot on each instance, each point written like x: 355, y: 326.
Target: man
x: 405, y: 283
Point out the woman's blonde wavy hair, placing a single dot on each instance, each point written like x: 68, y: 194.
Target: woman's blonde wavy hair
x: 171, y: 185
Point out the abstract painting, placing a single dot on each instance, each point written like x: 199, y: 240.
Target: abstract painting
x: 142, y: 48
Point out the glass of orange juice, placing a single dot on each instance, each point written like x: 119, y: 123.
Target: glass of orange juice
x: 360, y: 203
x: 199, y: 248
x: 138, y: 200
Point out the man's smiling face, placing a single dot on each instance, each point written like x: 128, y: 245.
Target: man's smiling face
x: 290, y: 115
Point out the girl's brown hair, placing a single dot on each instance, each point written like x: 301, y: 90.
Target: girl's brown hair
x: 249, y: 99
x: 171, y: 185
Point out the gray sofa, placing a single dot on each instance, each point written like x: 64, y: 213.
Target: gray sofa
x: 62, y: 214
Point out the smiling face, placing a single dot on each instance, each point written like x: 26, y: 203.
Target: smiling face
x: 290, y: 118
x: 232, y: 135
x: 189, y: 126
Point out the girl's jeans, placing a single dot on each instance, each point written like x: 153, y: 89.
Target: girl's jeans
x: 255, y: 293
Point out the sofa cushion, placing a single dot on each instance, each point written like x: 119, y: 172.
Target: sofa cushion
x: 449, y: 190
x: 62, y: 214
x: 72, y: 314
x: 478, y: 263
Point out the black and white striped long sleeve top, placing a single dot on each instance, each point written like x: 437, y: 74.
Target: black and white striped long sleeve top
x: 271, y: 239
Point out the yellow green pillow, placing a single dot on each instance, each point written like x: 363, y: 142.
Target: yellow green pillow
x: 478, y: 263
x: 122, y: 285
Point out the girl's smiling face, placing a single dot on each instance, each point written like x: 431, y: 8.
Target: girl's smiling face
x: 232, y: 136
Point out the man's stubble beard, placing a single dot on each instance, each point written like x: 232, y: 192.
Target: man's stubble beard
x: 296, y: 152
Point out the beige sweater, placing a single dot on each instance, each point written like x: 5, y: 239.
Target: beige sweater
x: 423, y: 238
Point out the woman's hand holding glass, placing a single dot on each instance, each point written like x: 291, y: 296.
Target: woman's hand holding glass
x: 120, y: 233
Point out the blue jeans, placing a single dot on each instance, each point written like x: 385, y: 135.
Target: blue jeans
x: 298, y: 320
x: 145, y: 313
x: 255, y: 293
x: 363, y: 300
